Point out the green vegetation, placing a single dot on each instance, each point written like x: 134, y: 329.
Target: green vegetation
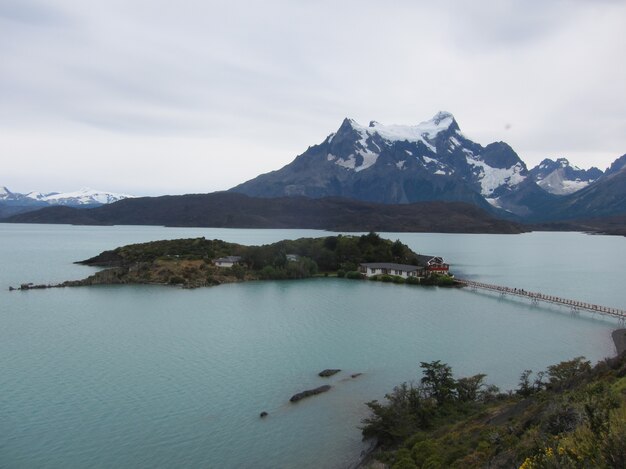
x: 353, y: 275
x: 440, y: 280
x: 189, y: 262
x: 570, y: 416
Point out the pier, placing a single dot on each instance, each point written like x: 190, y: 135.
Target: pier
x: 535, y: 297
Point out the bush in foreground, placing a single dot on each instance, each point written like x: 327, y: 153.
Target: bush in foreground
x: 576, y: 418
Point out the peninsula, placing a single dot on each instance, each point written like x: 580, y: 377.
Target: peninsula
x: 198, y: 262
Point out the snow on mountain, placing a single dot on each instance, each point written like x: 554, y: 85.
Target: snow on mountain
x: 367, y: 141
x: 4, y: 193
x: 424, y: 132
x: 39, y: 195
x: 7, y: 196
x: 493, y: 178
x: 561, y: 178
x: 84, y: 196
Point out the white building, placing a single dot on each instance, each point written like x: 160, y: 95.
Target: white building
x: 370, y: 269
x: 227, y: 261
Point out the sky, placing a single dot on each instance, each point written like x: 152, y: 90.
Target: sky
x: 151, y: 97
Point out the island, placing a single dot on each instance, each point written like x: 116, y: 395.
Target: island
x: 199, y: 262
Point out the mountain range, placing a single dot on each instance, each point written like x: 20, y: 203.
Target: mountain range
x: 425, y: 177
x: 14, y: 202
x: 398, y: 164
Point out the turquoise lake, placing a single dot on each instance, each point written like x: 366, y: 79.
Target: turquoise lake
x: 149, y: 376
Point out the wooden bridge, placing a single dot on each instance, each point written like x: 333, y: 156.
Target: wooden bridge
x: 574, y: 305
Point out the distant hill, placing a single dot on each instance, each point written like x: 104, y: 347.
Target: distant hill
x: 232, y: 210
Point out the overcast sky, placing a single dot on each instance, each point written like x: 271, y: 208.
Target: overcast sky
x: 152, y: 97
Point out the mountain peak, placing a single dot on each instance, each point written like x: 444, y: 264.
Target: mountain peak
x: 617, y: 166
x: 348, y: 124
x: 425, y: 131
x: 441, y: 121
x: 442, y: 116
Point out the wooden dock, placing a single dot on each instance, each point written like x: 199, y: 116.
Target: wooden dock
x: 535, y: 297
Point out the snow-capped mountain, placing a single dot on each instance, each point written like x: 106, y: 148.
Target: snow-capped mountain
x: 432, y: 160
x: 83, y: 196
x: 14, y: 202
x: 7, y: 195
x: 604, y: 197
x: 561, y: 178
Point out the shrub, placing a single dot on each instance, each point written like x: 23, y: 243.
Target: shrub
x: 413, y: 281
x: 176, y: 280
x: 354, y: 275
x: 341, y: 273
x: 269, y: 273
x: 404, y: 463
x: 238, y: 271
x: 423, y: 450
x: 398, y: 279
x: 567, y: 370
x: 386, y: 278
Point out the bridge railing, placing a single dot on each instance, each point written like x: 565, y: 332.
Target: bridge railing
x: 535, y: 296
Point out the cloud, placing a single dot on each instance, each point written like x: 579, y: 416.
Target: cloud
x: 29, y: 12
x: 257, y: 83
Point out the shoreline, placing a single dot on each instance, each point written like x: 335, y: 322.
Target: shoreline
x: 619, y: 339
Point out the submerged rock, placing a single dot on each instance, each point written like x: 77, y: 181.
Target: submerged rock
x: 310, y: 392
x: 263, y: 414
x: 355, y: 375
x: 328, y: 372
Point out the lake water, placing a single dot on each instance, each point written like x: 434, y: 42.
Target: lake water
x: 147, y: 376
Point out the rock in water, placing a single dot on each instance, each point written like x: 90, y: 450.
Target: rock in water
x: 263, y: 414
x: 328, y: 372
x: 310, y: 392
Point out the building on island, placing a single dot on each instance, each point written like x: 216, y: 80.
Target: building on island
x: 433, y: 265
x: 292, y: 257
x: 436, y: 265
x: 370, y: 269
x: 227, y: 261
